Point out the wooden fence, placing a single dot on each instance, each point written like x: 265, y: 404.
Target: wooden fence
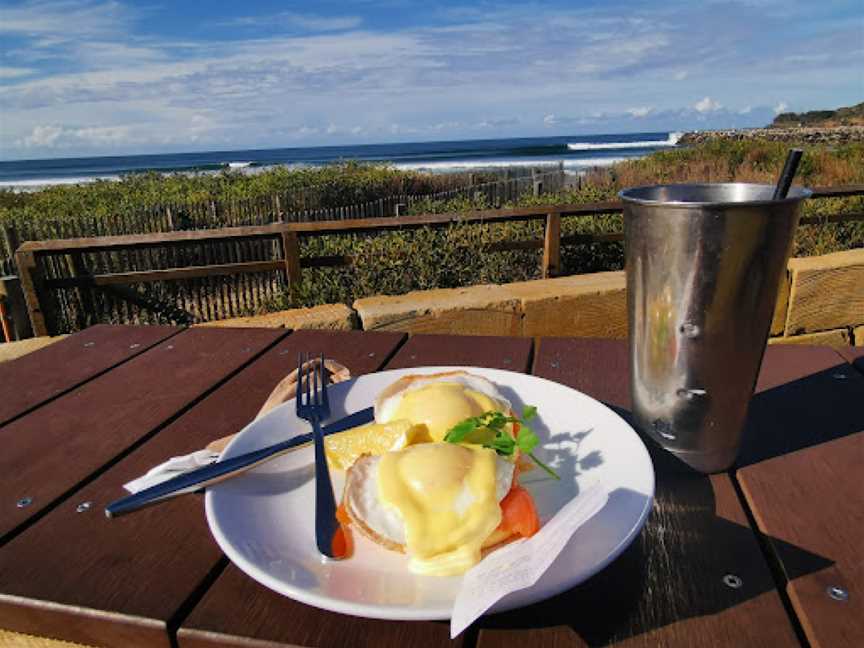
x: 261, y: 210
x: 209, y: 299
x: 200, y: 275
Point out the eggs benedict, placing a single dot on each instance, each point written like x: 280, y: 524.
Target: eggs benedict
x: 445, y: 501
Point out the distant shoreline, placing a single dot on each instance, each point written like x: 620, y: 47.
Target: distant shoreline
x: 807, y: 135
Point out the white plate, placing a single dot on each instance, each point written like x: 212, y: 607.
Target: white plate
x: 264, y: 520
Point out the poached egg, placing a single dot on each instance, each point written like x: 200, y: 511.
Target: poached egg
x: 439, y: 401
x: 438, y: 502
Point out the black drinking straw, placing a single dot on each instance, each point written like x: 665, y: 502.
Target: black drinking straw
x: 789, y: 169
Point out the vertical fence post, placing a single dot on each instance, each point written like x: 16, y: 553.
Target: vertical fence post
x: 552, y: 246
x: 16, y: 309
x: 31, y: 283
x: 291, y: 255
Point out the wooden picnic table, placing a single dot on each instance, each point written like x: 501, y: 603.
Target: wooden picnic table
x: 767, y: 554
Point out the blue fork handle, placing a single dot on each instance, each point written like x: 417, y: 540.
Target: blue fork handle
x: 327, y: 527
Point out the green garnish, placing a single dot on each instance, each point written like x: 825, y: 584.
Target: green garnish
x: 489, y: 431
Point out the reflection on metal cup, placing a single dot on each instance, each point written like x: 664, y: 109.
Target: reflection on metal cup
x: 704, y: 263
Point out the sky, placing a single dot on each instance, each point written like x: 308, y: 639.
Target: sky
x: 111, y: 77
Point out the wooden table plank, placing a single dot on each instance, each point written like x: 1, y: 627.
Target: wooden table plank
x: 855, y: 355
x: 804, y: 396
x: 130, y: 587
x: 811, y: 499
x: 493, y: 352
x: 49, y: 451
x: 240, y: 612
x: 667, y: 589
x: 49, y: 372
x: 236, y: 611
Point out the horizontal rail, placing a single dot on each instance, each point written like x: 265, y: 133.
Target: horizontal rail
x: 838, y: 192
x: 479, y: 216
x: 158, y: 239
x: 149, y: 276
x: 832, y: 218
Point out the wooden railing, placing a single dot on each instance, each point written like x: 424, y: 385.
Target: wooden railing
x: 288, y: 236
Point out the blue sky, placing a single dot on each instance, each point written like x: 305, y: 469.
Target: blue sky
x: 103, y: 77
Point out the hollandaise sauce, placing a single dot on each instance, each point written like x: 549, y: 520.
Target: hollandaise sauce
x: 446, y: 495
x: 441, y: 405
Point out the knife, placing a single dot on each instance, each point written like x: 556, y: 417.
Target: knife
x: 194, y: 480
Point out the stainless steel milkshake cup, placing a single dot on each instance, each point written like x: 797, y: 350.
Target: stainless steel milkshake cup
x: 703, y: 264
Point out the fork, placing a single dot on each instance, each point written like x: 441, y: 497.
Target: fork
x: 313, y: 405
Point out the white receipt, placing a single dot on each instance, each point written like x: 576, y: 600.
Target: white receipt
x: 521, y: 564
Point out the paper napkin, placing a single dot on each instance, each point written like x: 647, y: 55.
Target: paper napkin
x: 521, y: 564
x: 284, y: 391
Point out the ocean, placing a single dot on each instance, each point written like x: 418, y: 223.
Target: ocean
x: 577, y: 153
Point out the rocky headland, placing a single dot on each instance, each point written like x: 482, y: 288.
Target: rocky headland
x: 807, y: 135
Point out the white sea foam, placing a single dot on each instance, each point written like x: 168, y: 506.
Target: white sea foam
x: 672, y: 140
x: 39, y: 183
x: 467, y: 165
x: 238, y: 165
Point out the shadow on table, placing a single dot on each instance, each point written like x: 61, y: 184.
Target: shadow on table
x: 820, y: 407
x: 674, y: 570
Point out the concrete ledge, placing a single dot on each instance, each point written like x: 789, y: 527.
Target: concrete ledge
x: 781, y: 306
x: 9, y: 639
x: 579, y: 305
x: 475, y: 310
x: 590, y: 305
x: 826, y: 292
x: 12, y: 350
x: 337, y: 317
x: 835, y: 338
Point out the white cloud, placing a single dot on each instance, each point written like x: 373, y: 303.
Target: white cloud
x: 63, y: 19
x: 57, y: 137
x: 550, y: 120
x: 42, y: 136
x: 640, y: 111
x: 781, y: 107
x: 680, y: 75
x: 706, y: 105
x: 745, y: 110
x: 14, y: 72
x: 302, y: 21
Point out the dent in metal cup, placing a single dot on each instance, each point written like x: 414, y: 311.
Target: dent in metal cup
x: 703, y: 263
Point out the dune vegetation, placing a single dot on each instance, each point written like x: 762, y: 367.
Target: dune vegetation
x: 400, y: 261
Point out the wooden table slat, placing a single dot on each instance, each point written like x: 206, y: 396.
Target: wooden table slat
x: 145, y: 565
x: 55, y: 447
x: 42, y: 375
x: 812, y: 499
x: 513, y: 354
x: 667, y: 588
x: 855, y: 355
x: 804, y: 396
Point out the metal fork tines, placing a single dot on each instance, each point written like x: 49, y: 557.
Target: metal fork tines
x: 313, y: 406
